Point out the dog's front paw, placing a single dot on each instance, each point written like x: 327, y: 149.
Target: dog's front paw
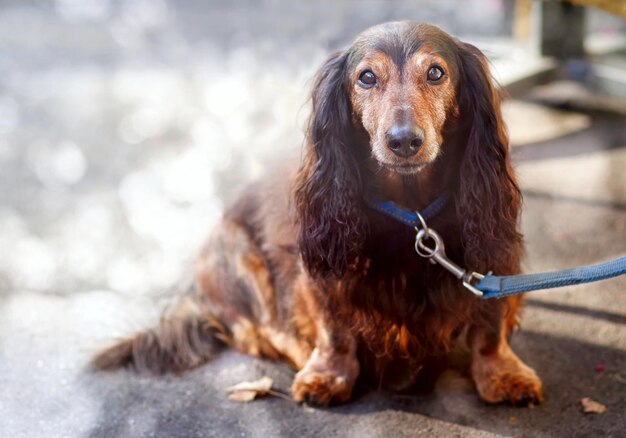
x: 326, y: 378
x: 318, y: 388
x: 507, y: 379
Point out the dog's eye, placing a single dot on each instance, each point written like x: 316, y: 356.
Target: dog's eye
x: 435, y: 73
x: 367, y: 79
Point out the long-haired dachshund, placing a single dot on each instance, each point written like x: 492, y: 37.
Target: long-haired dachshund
x: 301, y: 269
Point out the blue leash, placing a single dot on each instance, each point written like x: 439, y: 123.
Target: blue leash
x: 494, y: 286
x: 491, y: 286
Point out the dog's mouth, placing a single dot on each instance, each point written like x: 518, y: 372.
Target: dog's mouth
x: 404, y: 169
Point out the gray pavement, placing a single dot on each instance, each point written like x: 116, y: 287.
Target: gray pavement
x: 126, y: 126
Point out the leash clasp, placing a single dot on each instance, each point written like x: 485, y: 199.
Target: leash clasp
x: 437, y: 254
x: 467, y: 282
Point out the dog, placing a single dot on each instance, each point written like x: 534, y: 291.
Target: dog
x: 303, y: 270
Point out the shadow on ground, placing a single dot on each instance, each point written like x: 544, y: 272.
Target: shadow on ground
x: 196, y: 404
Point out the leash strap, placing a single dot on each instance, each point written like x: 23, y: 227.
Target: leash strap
x: 494, y: 286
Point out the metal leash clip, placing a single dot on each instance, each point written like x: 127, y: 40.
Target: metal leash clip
x: 437, y: 254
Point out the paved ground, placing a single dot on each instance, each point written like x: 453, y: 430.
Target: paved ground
x: 124, y: 127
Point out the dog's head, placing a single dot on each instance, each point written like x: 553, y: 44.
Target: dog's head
x: 396, y: 102
x: 401, y: 81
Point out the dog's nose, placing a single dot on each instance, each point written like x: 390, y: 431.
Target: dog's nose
x: 405, y: 140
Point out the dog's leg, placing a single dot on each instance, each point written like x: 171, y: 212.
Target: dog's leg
x: 329, y: 374
x: 498, y: 373
x: 332, y: 369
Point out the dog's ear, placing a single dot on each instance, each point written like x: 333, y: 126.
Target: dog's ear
x: 489, y: 199
x: 328, y: 192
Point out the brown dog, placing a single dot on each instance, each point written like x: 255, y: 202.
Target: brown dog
x: 302, y: 270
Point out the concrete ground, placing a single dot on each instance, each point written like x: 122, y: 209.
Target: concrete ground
x: 125, y: 127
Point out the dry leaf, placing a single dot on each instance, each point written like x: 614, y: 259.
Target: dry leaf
x: 243, y: 396
x: 592, y: 406
x: 247, y: 391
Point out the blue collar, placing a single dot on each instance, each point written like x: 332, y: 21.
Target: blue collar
x: 408, y: 217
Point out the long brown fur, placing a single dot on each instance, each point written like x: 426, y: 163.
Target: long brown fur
x: 302, y: 270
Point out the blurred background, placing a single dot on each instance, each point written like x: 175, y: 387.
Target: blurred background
x: 127, y: 125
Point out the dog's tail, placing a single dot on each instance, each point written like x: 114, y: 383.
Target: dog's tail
x: 187, y: 338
